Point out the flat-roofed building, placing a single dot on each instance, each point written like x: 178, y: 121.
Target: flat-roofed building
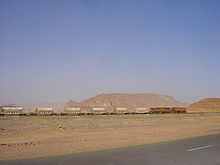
x: 71, y: 111
x: 119, y: 110
x: 11, y: 111
x: 98, y: 111
x: 44, y: 111
x: 141, y: 110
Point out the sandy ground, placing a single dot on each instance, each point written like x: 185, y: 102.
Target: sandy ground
x: 31, y: 136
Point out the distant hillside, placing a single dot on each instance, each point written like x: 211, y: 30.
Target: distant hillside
x: 10, y: 105
x: 205, y: 105
x: 32, y: 106
x: 110, y: 101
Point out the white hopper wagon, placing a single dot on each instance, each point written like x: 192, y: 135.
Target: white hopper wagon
x: 71, y: 111
x: 120, y: 110
x: 141, y: 111
x: 11, y: 111
x: 98, y: 111
x: 44, y: 111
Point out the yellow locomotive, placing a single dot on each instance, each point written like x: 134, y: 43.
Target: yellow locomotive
x: 168, y: 110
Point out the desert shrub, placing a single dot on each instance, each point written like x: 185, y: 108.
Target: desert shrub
x: 201, y: 113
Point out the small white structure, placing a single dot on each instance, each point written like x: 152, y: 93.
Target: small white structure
x: 11, y: 110
x: 141, y: 110
x: 71, y: 111
x: 121, y: 110
x: 98, y: 110
x: 44, y: 111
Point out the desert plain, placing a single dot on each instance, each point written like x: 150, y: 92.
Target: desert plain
x: 33, y: 136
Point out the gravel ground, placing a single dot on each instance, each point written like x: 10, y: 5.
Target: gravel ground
x: 30, y: 136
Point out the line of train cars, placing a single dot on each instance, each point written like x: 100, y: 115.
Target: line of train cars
x: 17, y: 111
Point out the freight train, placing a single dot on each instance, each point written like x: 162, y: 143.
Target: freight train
x: 17, y: 111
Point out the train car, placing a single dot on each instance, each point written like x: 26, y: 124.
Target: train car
x: 160, y: 110
x: 72, y: 111
x: 11, y: 111
x: 178, y: 110
x: 168, y: 110
x: 120, y: 111
x: 141, y: 111
x: 98, y: 111
x: 44, y: 111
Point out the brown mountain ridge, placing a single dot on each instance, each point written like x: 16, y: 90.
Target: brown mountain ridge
x: 205, y: 105
x: 130, y: 101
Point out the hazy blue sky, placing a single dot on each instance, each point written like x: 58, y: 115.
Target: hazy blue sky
x: 60, y: 50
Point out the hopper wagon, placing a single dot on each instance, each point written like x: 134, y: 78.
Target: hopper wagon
x: 120, y: 111
x: 44, y: 112
x: 72, y: 111
x: 141, y: 111
x: 11, y: 111
x: 98, y: 111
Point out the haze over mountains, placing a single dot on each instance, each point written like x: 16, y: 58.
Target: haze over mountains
x: 110, y: 101
x: 32, y: 106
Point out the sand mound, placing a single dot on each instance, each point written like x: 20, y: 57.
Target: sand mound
x: 205, y: 105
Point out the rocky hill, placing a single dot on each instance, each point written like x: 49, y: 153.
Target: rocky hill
x: 110, y: 101
x: 205, y: 105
